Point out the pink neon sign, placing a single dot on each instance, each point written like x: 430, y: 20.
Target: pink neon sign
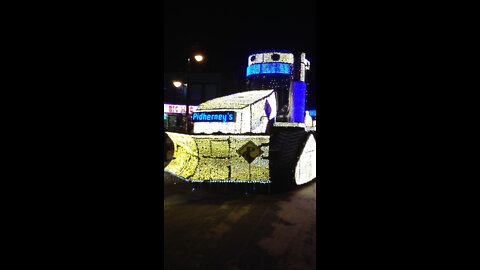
x: 175, y: 108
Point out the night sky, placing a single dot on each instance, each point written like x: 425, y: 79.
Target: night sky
x: 228, y: 34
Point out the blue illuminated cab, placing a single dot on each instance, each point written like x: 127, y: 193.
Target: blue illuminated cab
x: 271, y: 70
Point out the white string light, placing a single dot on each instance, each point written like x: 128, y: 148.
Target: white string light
x: 250, y: 109
x: 215, y: 157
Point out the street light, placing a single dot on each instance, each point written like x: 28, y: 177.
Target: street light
x: 181, y: 86
x: 177, y: 84
x: 199, y: 58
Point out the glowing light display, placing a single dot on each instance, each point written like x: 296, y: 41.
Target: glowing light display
x: 304, y: 65
x: 299, y: 90
x: 239, y: 150
x: 216, y: 158
x: 288, y: 124
x: 249, y: 107
x: 267, y: 57
x: 308, y: 119
x: 235, y: 101
x: 305, y: 171
x: 249, y: 151
x: 268, y: 68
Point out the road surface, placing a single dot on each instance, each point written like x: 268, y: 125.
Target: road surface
x: 214, y: 226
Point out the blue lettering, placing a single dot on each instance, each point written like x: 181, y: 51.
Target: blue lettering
x: 213, y: 116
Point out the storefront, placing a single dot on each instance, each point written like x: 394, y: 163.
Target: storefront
x: 174, y: 116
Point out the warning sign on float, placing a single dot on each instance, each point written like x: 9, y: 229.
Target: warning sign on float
x: 249, y: 151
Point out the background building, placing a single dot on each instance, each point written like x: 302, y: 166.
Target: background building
x: 203, y: 87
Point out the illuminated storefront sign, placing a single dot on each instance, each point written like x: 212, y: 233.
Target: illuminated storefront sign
x: 174, y: 108
x: 213, y: 117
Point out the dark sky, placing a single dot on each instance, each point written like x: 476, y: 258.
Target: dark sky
x: 228, y: 34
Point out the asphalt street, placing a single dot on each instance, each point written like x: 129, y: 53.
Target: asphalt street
x: 232, y: 227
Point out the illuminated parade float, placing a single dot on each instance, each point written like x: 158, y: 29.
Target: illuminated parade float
x: 256, y: 136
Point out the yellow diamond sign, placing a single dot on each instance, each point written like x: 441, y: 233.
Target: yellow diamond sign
x: 249, y: 151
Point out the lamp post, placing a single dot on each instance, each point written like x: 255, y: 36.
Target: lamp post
x: 198, y: 58
x: 180, y: 85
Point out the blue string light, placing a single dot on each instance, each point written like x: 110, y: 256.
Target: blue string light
x: 268, y: 68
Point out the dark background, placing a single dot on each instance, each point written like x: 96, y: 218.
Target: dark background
x: 82, y: 129
x: 227, y: 33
